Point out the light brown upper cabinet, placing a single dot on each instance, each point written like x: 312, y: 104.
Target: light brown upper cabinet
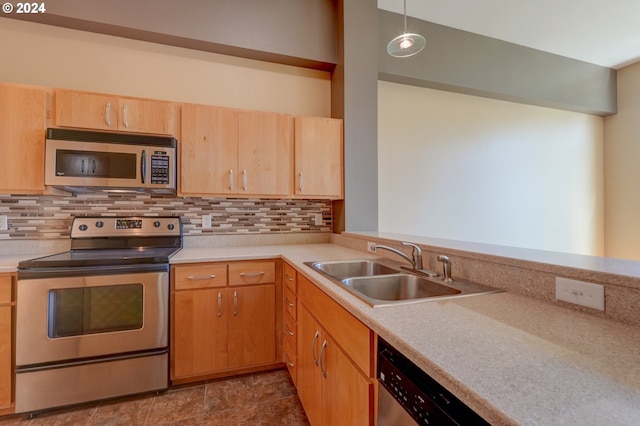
x: 22, y: 135
x: 111, y: 112
x: 226, y: 151
x: 318, y: 157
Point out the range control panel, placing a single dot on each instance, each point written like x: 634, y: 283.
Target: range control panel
x: 98, y: 226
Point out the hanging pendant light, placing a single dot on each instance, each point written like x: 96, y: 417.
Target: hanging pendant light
x: 406, y: 44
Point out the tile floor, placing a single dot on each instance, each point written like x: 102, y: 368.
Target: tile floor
x: 267, y: 398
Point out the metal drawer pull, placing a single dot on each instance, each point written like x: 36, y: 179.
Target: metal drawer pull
x: 289, y: 332
x: 107, y: 114
x: 289, y: 363
x: 235, y: 303
x: 125, y: 112
x: 322, y: 370
x: 252, y: 274
x: 219, y: 304
x: 201, y: 277
x: 313, y: 347
x: 288, y: 302
x: 288, y: 277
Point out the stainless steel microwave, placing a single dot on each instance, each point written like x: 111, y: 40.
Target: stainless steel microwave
x: 81, y: 161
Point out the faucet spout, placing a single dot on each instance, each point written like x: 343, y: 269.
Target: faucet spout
x: 416, y: 255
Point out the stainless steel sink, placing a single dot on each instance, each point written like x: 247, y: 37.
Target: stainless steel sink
x: 398, y: 287
x: 378, y: 283
x: 352, y: 268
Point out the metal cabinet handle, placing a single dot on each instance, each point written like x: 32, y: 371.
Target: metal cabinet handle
x: 235, y: 303
x: 288, y: 330
x: 252, y: 274
x: 244, y: 180
x: 125, y: 114
x: 288, y: 302
x: 289, y: 363
x: 322, y: 370
x: 230, y: 179
x: 288, y: 277
x: 107, y: 114
x: 313, y: 348
x: 201, y: 277
x: 219, y: 304
x: 300, y: 182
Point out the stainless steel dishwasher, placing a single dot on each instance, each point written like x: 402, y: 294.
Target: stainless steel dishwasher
x: 409, y: 396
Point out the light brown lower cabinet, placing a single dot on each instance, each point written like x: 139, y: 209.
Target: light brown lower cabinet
x: 223, y: 319
x: 6, y: 339
x: 332, y: 388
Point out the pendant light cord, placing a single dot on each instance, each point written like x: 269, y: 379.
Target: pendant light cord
x: 405, y: 16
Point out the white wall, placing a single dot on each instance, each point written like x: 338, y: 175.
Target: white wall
x: 475, y: 169
x: 622, y: 169
x: 57, y: 57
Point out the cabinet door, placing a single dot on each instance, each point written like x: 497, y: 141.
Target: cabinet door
x: 309, y: 378
x: 147, y: 116
x: 346, y: 393
x: 200, y: 331
x: 318, y: 157
x: 265, y: 156
x: 208, y: 150
x: 22, y: 135
x: 85, y: 110
x: 252, y: 325
x: 6, y: 367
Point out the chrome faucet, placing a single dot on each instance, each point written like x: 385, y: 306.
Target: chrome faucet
x: 446, y: 266
x: 416, y: 254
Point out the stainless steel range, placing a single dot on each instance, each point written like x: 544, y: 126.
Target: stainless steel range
x: 92, y: 323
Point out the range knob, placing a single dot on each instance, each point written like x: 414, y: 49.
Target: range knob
x: 171, y: 226
x: 156, y: 224
x: 99, y: 224
x: 83, y: 227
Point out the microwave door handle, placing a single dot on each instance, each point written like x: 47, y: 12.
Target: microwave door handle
x: 143, y: 166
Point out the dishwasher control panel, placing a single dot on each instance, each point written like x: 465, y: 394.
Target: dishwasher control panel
x: 424, y: 399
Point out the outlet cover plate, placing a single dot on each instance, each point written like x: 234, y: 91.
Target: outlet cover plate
x: 580, y: 293
x: 4, y: 225
x: 370, y: 247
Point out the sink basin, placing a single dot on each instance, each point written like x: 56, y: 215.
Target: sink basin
x: 380, y: 282
x: 352, y: 268
x: 377, y: 290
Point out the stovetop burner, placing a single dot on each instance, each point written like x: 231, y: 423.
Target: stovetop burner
x: 104, y: 241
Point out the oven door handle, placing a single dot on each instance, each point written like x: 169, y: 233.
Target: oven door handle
x: 61, y: 272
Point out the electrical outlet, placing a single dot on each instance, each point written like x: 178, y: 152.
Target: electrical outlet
x: 580, y: 293
x: 318, y: 219
x: 4, y: 225
x: 371, y: 247
x: 206, y: 221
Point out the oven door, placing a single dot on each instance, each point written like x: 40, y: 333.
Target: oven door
x: 93, y: 313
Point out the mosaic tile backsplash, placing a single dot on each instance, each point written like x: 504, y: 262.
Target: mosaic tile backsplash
x: 49, y: 217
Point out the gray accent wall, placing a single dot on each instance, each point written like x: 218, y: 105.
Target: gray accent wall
x: 463, y: 62
x: 354, y: 98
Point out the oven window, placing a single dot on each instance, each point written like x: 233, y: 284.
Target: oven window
x: 91, y: 310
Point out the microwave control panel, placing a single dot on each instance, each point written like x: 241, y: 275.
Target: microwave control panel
x: 160, y: 169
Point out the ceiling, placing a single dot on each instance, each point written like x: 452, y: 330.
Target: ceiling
x: 602, y: 32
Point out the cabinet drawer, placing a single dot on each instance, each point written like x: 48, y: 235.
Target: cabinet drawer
x: 290, y: 305
x: 200, y: 276
x: 244, y: 273
x: 5, y: 289
x: 291, y: 359
x: 350, y: 333
x: 290, y: 332
x: 290, y: 278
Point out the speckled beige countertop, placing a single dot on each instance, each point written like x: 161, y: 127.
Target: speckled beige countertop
x: 513, y: 359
